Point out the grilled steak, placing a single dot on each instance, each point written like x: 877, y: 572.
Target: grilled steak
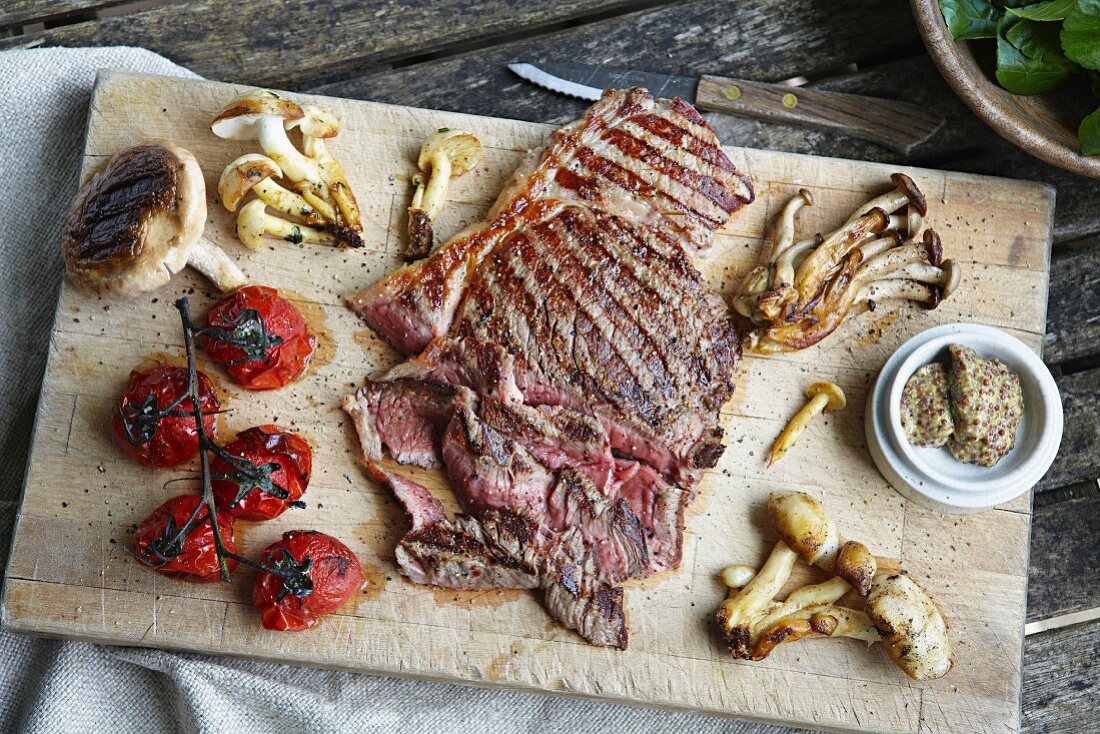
x: 567, y: 362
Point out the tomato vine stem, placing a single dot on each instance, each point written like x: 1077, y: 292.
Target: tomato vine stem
x: 295, y: 576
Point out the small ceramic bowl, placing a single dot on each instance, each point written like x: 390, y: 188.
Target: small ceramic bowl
x: 932, y: 476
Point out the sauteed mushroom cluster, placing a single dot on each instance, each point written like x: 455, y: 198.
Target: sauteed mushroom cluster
x: 897, y: 610
x: 807, y: 287
x: 321, y: 207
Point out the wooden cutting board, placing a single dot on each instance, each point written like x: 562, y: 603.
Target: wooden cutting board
x: 69, y: 576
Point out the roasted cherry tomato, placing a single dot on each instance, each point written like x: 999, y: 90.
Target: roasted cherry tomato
x: 259, y: 337
x: 316, y: 573
x: 153, y: 420
x: 160, y: 544
x: 271, y: 472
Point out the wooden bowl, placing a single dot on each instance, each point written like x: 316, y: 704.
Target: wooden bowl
x: 1033, y: 123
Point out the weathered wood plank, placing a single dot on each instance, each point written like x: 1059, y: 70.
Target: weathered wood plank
x: 767, y: 41
x: 283, y: 43
x: 19, y: 12
x: 1062, y: 681
x: 1079, y: 455
x: 963, y: 143
x: 1064, y: 556
x: 1073, y: 311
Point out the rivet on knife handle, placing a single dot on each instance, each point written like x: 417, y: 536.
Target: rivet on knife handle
x: 899, y: 126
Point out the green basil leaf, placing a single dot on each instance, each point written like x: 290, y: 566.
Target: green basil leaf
x: 1089, y: 134
x: 1048, y: 11
x: 1081, y: 34
x: 1020, y: 74
x: 967, y: 19
x: 1035, y: 40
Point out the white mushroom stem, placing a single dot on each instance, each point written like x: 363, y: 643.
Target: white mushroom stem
x: 284, y: 200
x: 789, y: 260
x: 874, y: 247
x: 317, y: 195
x: 914, y: 219
x: 755, y: 597
x: 892, y: 260
x: 897, y: 289
x: 332, y: 173
x: 276, y: 144
x: 435, y: 193
x: 919, y: 281
x: 784, y: 228
x: 215, y: 264
x: 254, y: 223
x: 826, y: 592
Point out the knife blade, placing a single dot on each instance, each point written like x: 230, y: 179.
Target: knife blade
x: 900, y: 126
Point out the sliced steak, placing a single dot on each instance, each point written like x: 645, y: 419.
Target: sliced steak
x: 483, y: 367
x: 608, y: 528
x: 505, y: 549
x: 570, y: 363
x: 490, y: 470
x: 575, y: 597
x: 659, y: 508
x: 406, y: 416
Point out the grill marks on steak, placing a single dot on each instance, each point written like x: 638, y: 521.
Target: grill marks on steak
x: 571, y: 365
x: 582, y: 303
x: 668, y: 177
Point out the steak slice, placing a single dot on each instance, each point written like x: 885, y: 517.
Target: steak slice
x: 659, y: 507
x: 505, y: 549
x: 607, y: 527
x: 405, y: 415
x: 489, y: 469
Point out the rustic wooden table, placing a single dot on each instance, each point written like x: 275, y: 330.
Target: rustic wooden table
x: 451, y: 55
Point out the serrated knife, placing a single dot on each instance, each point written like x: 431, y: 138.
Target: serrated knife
x: 899, y: 126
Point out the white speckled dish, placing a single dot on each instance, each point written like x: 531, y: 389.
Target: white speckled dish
x: 931, y: 476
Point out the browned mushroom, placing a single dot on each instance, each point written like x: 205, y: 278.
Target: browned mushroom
x: 753, y: 623
x: 898, y: 612
x: 138, y: 221
x: 820, y: 396
x: 323, y: 197
x: 807, y: 288
x: 446, y: 154
x: 317, y: 126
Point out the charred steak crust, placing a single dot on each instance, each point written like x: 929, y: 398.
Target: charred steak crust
x: 570, y: 365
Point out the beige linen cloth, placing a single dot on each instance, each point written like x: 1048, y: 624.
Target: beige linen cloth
x: 51, y: 686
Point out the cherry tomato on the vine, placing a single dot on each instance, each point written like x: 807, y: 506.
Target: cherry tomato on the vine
x: 259, y: 337
x: 177, y: 542
x: 153, y: 421
x: 316, y: 573
x: 271, y: 472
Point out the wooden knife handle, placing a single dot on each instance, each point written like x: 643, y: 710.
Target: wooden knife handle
x: 899, y: 126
